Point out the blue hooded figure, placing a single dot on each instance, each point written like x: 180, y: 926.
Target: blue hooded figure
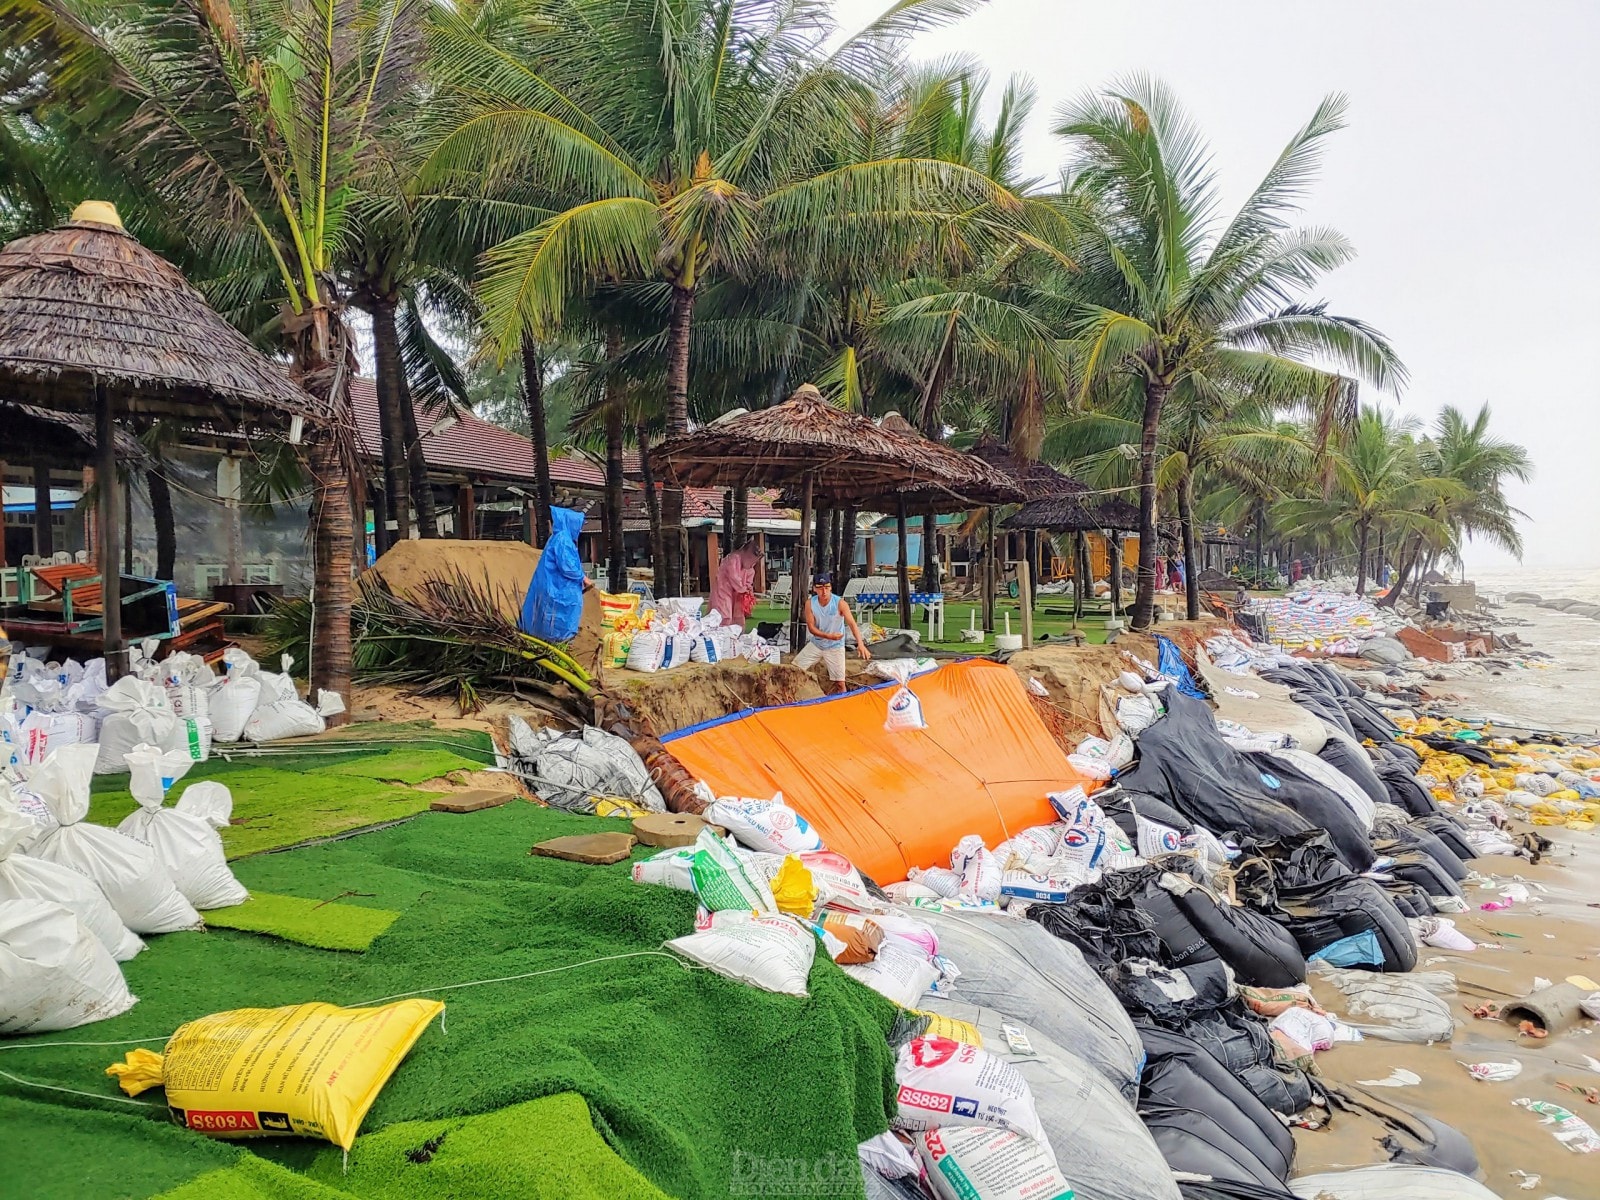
x: 554, y: 605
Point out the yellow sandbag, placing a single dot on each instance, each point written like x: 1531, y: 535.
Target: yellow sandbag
x: 614, y: 647
x: 793, y: 889
x: 940, y: 1025
x: 307, y: 1069
x: 619, y: 806
x: 1564, y: 794
x: 619, y: 610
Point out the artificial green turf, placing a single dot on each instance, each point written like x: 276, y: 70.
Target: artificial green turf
x: 59, y: 1148
x: 253, y: 1178
x: 406, y: 766
x: 680, y: 1069
x: 959, y: 616
x: 283, y: 801
x: 545, y: 1149
x: 321, y: 923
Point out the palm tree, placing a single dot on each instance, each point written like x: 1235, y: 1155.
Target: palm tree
x: 1167, y: 297
x: 1462, y: 451
x: 680, y: 139
x: 263, y: 126
x: 1379, y: 482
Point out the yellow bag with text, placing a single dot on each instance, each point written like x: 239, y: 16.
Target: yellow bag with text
x: 619, y: 610
x: 307, y: 1069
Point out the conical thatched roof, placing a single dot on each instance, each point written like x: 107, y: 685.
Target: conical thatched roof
x: 1037, y: 479
x: 86, y: 302
x: 850, y: 457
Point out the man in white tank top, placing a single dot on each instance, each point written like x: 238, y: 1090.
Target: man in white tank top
x: 827, y: 616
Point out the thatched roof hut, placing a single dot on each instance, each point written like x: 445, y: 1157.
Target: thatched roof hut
x: 1063, y: 513
x: 85, y: 305
x: 94, y: 324
x: 60, y: 439
x: 1037, y: 479
x: 848, y: 457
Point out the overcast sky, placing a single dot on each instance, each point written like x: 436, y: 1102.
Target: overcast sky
x: 1468, y: 179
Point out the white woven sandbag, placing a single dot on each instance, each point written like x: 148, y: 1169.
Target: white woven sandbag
x: 186, y: 842
x: 54, y: 973
x: 137, y: 712
x: 23, y: 877
x: 231, y: 704
x: 129, y: 873
x: 647, y: 651
x: 283, y: 718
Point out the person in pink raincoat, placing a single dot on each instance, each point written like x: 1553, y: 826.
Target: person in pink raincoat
x: 733, y: 594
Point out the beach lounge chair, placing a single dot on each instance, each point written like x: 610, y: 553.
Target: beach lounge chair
x: 781, y: 591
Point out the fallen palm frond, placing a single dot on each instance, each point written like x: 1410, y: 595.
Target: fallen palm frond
x: 447, y: 636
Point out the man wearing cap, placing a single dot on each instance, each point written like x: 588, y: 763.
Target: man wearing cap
x: 827, y: 616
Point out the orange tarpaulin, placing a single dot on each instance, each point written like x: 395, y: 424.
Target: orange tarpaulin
x: 889, y: 801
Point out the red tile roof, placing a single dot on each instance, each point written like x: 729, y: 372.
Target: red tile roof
x: 472, y: 446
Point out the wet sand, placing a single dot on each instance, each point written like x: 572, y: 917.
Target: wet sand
x: 1556, y: 936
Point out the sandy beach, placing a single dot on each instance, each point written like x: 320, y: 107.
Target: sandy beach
x: 1554, y: 937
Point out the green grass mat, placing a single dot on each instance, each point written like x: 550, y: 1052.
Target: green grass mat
x: 325, y: 924
x: 283, y: 801
x: 254, y: 1178
x: 680, y: 1069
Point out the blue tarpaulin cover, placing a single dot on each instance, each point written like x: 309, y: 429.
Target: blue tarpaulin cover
x: 1172, y: 667
x: 554, y: 604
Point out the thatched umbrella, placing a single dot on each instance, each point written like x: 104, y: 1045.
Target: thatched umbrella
x: 808, y: 445
x: 92, y: 323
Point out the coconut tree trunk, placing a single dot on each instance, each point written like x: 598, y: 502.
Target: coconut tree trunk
x: 680, y: 322
x: 652, y: 508
x: 417, y: 467
x: 1191, y: 577
x: 613, y: 496
x: 930, y: 551
x: 1114, y: 560
x: 391, y: 423
x: 741, y: 516
x: 903, y: 569
x: 728, y: 522
x: 539, y: 435
x: 1155, y: 399
x: 846, y: 543
x: 161, y: 513
x: 1362, y: 529
x: 1408, y: 559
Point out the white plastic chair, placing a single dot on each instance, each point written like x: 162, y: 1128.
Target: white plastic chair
x: 82, y: 556
x: 782, y: 590
x: 60, y: 558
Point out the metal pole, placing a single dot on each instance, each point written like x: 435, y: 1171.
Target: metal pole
x: 110, y: 535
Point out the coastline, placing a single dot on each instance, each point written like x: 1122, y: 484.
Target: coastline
x: 1554, y: 936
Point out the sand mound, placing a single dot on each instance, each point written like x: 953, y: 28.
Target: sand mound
x: 503, y: 569
x: 666, y: 701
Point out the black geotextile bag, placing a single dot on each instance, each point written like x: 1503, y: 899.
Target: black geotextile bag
x: 1184, y: 762
x: 1448, y: 830
x: 1396, y: 837
x: 1369, y: 721
x: 1229, y: 1189
x: 1357, y: 764
x: 1196, y: 1002
x: 1405, y: 790
x: 1325, y: 913
x: 1473, y: 754
x: 1123, y: 806
x: 1410, y: 898
x: 1300, y: 883
x: 1194, y: 1143
x: 1180, y: 1072
x: 1401, y: 755
x: 1318, y: 804
x: 1194, y: 927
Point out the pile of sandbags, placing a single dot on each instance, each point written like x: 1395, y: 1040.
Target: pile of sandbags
x: 678, y: 632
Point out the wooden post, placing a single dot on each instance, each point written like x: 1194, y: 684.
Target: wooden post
x: 1114, y: 556
x: 761, y: 564
x: 106, y: 521
x: 872, y: 553
x: 1080, y: 577
x: 800, y: 587
x: 44, y: 534
x: 1030, y: 551
x: 466, y: 512
x: 127, y: 523
x: 904, y: 569
x: 990, y: 575
x: 1025, y: 593
x: 713, y: 557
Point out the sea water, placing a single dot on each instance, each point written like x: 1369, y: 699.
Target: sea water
x: 1563, y: 694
